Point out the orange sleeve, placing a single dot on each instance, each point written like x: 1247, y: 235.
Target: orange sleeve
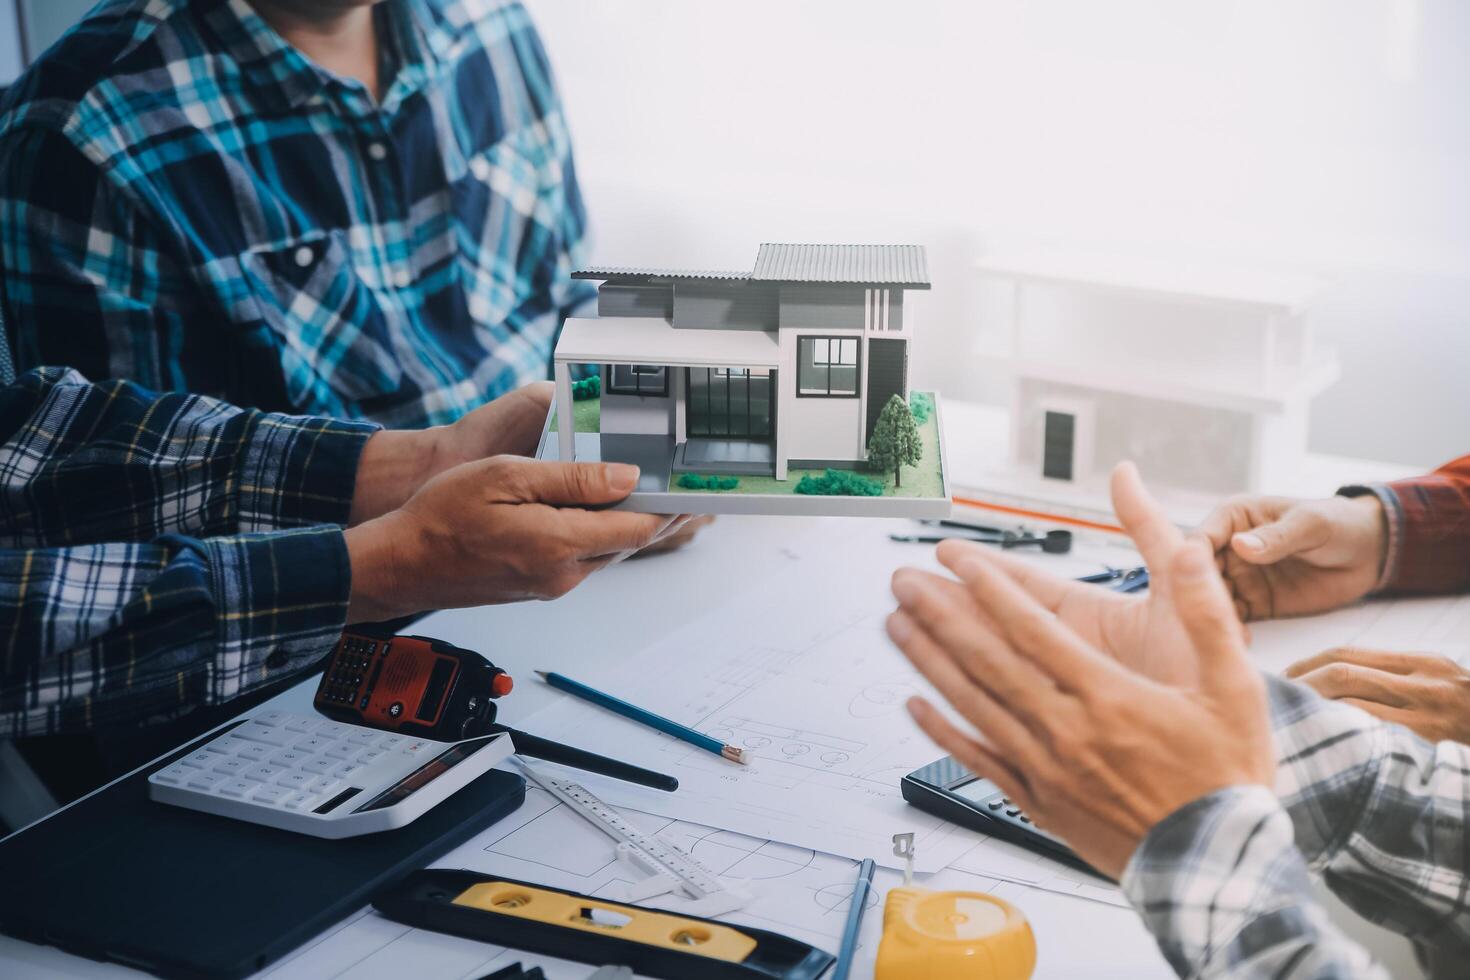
x: 1429, y: 531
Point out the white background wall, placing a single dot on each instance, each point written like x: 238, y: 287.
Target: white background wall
x: 1321, y: 134
x: 1314, y: 134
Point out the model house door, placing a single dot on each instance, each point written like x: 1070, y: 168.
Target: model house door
x: 887, y: 371
x: 730, y: 403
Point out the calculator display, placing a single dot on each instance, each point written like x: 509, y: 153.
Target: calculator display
x: 424, y: 775
x: 976, y: 790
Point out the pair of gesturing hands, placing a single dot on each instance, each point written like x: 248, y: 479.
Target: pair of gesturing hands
x: 1098, y: 713
x: 1102, y: 713
x: 458, y: 516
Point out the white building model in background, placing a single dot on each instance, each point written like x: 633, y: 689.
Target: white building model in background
x: 1202, y: 375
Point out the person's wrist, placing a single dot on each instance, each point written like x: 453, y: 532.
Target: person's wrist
x: 382, y: 554
x: 1373, y: 521
x: 393, y: 465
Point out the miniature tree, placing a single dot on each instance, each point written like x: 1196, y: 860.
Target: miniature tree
x: 895, y: 440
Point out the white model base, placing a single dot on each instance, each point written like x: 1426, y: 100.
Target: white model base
x: 785, y: 503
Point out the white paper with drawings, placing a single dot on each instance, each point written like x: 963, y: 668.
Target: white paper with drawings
x: 798, y: 892
x: 1431, y: 625
x: 802, y: 674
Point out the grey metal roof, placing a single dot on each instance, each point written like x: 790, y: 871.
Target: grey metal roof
x: 640, y: 274
x: 877, y: 265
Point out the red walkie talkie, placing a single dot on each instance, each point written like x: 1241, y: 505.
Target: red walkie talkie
x: 415, y: 685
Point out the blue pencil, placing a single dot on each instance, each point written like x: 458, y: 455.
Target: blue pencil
x: 642, y: 715
x: 854, y: 919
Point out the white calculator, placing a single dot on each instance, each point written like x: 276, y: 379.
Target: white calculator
x: 320, y: 777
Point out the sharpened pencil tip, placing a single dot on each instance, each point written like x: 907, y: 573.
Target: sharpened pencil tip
x: 541, y: 674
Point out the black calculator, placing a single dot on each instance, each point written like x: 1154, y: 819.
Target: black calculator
x: 949, y: 790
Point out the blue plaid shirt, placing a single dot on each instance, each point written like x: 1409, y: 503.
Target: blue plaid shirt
x: 161, y: 552
x: 187, y: 202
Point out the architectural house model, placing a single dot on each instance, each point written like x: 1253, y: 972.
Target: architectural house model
x: 1202, y: 374
x: 752, y: 392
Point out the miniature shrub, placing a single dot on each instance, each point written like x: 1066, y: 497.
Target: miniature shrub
x: 839, y: 483
x: 895, y: 441
x: 921, y: 403
x: 694, y: 481
x: 587, y: 389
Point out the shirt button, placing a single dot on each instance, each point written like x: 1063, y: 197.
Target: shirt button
x: 378, y: 151
x: 277, y: 659
x: 304, y: 256
x: 403, y: 278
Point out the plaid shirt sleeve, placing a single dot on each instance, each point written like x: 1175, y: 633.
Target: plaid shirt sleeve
x: 86, y: 464
x: 1428, y: 530
x: 135, y: 582
x: 1380, y: 813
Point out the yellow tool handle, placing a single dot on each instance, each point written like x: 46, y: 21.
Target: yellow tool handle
x: 627, y: 922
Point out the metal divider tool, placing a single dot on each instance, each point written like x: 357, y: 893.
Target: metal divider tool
x: 669, y: 867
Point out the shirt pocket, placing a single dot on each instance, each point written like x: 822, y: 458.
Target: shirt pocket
x: 504, y: 201
x: 334, y: 339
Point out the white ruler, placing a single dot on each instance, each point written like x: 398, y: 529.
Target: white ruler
x: 671, y: 867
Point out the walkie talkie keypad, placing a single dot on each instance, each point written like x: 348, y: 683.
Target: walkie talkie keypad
x: 354, y: 671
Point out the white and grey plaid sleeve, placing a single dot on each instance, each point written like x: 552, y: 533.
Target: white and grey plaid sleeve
x: 1224, y: 885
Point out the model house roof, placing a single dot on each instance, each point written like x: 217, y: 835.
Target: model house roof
x: 872, y: 265
x: 628, y: 273
x: 904, y: 266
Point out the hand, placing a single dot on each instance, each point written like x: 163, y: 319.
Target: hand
x: 1095, y: 752
x: 510, y: 425
x: 677, y: 539
x: 1285, y: 557
x: 1142, y: 632
x: 497, y: 530
x: 1427, y: 694
x: 396, y: 463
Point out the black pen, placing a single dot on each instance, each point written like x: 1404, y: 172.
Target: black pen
x: 565, y: 755
x: 977, y: 528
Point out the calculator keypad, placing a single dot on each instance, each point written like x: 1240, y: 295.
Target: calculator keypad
x: 295, y: 762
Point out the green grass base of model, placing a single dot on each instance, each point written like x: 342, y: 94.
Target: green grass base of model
x: 586, y: 416
x: 923, y: 480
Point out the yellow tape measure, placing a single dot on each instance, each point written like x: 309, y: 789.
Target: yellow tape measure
x: 931, y: 935
x: 953, y: 934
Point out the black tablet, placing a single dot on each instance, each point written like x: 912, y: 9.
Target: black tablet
x: 180, y: 893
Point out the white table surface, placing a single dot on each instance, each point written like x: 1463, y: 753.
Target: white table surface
x: 615, y: 613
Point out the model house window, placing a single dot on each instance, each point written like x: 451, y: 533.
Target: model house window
x: 638, y: 379
x: 827, y: 367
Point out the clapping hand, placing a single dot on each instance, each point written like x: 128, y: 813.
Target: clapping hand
x: 1098, y: 719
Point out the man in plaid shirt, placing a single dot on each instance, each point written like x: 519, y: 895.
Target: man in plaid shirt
x: 1137, y: 730
x: 352, y: 209
x: 159, y: 553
